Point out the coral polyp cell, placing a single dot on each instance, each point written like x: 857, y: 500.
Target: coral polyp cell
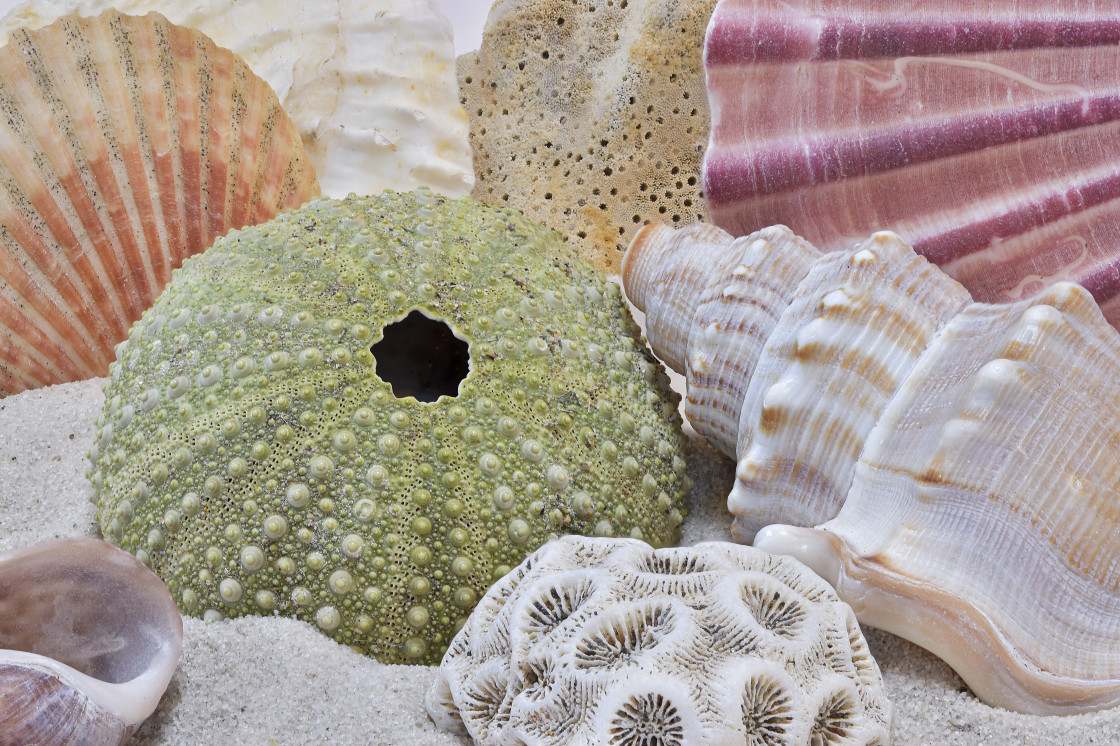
x: 258, y: 455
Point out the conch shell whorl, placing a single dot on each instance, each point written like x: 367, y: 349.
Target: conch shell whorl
x: 951, y: 467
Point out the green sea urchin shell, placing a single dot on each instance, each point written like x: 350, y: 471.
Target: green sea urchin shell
x: 250, y: 455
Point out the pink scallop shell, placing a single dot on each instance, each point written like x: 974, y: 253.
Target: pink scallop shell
x: 987, y: 139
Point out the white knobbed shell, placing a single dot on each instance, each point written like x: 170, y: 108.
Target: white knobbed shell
x: 958, y: 459
x: 89, y: 639
x: 608, y: 641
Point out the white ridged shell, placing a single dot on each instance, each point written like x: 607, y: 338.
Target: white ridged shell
x: 89, y: 639
x: 600, y: 641
x: 961, y: 456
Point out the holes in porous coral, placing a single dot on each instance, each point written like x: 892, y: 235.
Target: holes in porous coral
x: 775, y: 611
x: 549, y: 610
x: 647, y: 720
x: 421, y: 357
x: 834, y: 721
x: 623, y: 636
x: 767, y: 712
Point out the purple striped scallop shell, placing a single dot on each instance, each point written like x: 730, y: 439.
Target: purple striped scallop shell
x: 987, y: 139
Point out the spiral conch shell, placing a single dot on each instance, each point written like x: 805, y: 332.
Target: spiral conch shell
x: 957, y: 459
x: 126, y: 145
x: 89, y: 639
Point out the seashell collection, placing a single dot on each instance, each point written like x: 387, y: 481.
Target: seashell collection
x: 924, y: 417
x: 369, y: 84
x: 89, y: 639
x: 984, y: 135
x: 126, y: 145
x: 608, y: 641
x: 949, y: 464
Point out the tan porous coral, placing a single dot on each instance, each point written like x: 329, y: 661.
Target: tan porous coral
x: 590, y: 117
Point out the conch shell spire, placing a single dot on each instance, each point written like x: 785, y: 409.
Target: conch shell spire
x: 950, y: 466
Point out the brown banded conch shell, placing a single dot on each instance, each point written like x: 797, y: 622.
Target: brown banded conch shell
x: 950, y: 466
x: 126, y: 145
x: 89, y: 639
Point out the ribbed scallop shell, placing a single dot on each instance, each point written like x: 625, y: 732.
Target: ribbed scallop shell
x: 126, y: 145
x: 984, y: 134
x: 89, y: 639
x: 961, y: 456
x: 608, y: 641
x: 369, y: 84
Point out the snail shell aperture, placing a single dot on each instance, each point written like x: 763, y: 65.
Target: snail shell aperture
x: 89, y: 639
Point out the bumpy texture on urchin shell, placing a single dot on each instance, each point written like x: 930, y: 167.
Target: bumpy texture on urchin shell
x: 607, y: 641
x: 591, y: 118
x: 251, y: 455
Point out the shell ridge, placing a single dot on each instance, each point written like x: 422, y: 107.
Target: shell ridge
x: 114, y: 167
x: 738, y: 309
x: 33, y: 216
x: 80, y: 179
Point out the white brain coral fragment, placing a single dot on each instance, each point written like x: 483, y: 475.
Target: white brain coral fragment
x: 608, y: 641
x: 369, y: 83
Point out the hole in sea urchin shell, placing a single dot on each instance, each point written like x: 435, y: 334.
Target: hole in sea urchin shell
x: 421, y: 357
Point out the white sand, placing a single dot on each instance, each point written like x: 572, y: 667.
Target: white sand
x: 278, y: 681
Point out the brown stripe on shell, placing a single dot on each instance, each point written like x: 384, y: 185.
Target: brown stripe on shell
x: 40, y: 709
